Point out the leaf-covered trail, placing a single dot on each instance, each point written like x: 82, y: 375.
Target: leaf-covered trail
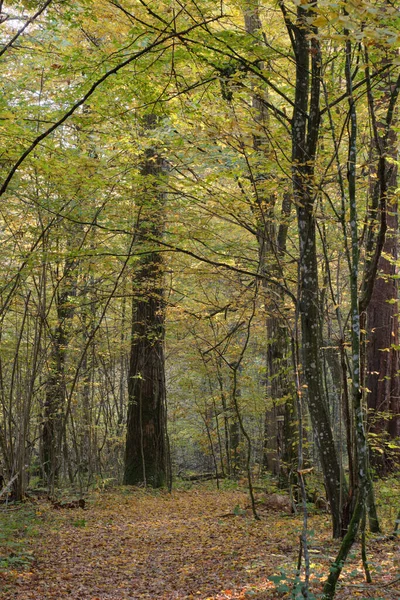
x: 136, y: 545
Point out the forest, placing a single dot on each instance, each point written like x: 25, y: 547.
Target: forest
x: 199, y: 298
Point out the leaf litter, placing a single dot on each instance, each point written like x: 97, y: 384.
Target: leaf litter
x: 131, y: 544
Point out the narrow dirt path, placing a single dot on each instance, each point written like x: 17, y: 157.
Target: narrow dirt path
x: 133, y: 544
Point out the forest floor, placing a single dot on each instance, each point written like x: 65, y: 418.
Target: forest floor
x: 129, y: 544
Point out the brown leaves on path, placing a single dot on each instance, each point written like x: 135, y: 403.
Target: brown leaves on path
x: 141, y: 545
x: 133, y: 544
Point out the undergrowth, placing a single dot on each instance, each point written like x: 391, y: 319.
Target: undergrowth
x: 19, y: 523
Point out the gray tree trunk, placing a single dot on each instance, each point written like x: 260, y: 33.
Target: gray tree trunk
x: 305, y: 131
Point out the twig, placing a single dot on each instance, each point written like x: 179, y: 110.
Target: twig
x: 6, y: 488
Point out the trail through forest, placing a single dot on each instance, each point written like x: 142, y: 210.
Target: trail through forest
x: 132, y: 544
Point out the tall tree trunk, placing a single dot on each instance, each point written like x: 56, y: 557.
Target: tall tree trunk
x: 305, y: 131
x: 361, y: 448
x: 360, y: 303
x: 382, y: 354
x: 271, y: 246
x: 145, y: 451
x: 55, y: 386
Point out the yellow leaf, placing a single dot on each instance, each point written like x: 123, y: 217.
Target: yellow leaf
x: 319, y: 21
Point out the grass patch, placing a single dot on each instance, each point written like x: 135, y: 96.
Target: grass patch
x: 79, y: 523
x: 18, y: 525
x: 387, y: 493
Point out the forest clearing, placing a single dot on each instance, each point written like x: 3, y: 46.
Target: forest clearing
x: 131, y: 543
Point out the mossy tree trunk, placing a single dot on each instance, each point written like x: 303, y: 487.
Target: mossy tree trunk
x: 305, y: 132
x: 360, y: 303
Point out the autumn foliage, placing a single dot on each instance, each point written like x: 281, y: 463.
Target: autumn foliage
x: 199, y: 543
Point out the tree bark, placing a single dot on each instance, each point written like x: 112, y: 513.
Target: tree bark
x: 55, y: 387
x: 145, y: 450
x: 305, y: 131
x: 382, y: 350
x: 271, y: 247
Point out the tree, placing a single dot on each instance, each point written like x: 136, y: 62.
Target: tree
x: 271, y: 238
x: 382, y: 352
x: 146, y: 452
x: 305, y: 134
x: 55, y: 395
